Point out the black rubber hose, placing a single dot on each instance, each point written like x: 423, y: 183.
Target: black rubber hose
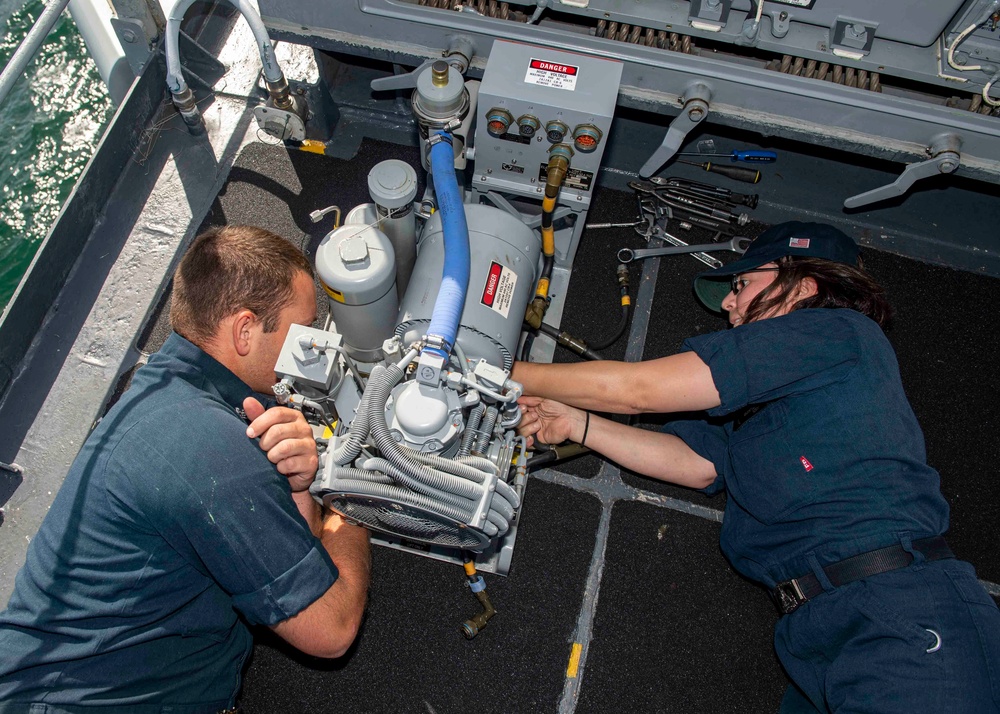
x: 569, y: 342
x: 529, y: 340
x: 622, y: 324
x: 626, y: 302
x: 554, y: 454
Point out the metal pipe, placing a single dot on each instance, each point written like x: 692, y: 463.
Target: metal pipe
x: 29, y: 46
x: 182, y: 96
x: 175, y: 79
x: 472, y: 626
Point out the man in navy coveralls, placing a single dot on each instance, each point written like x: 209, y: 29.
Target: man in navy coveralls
x: 179, y: 524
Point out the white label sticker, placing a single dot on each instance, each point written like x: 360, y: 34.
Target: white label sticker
x: 552, y: 74
x: 498, y: 293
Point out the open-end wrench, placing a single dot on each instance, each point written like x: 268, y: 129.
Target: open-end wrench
x: 707, y: 190
x: 689, y: 208
x: 737, y: 245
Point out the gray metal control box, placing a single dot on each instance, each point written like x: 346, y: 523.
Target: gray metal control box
x: 533, y: 99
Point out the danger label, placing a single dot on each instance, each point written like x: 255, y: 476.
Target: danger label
x: 499, y: 289
x: 552, y: 74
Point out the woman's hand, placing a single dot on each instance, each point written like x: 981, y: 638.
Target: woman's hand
x: 550, y: 422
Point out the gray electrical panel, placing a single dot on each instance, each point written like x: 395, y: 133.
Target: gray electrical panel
x: 533, y: 99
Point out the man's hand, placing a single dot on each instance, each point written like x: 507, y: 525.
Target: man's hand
x: 288, y: 440
x: 549, y: 421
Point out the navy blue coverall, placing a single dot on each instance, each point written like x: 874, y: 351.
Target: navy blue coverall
x: 171, y: 532
x: 822, y: 459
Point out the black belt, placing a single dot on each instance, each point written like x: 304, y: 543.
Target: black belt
x: 792, y: 593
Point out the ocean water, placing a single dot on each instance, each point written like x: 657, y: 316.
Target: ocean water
x: 49, y: 125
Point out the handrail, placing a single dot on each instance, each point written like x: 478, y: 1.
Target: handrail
x: 29, y: 46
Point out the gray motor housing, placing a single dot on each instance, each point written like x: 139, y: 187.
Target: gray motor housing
x: 502, y: 274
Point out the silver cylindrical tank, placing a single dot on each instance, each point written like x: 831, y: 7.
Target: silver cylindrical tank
x: 392, y: 185
x: 502, y: 276
x: 364, y: 214
x: 357, y: 267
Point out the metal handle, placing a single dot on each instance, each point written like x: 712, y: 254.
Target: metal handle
x: 695, y: 109
x: 945, y: 159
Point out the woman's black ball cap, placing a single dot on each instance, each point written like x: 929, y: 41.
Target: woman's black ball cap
x: 815, y: 240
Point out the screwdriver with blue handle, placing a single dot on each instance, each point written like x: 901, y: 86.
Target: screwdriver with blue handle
x: 749, y: 156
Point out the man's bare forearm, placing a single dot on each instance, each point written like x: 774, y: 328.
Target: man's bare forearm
x: 310, y: 510
x: 328, y: 626
x: 349, y: 547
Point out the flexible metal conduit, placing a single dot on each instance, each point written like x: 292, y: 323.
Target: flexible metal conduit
x: 181, y: 93
x: 463, y: 498
x: 486, y: 431
x: 555, y: 172
x: 411, y: 463
x: 175, y: 79
x: 361, y: 481
x: 452, y: 487
x: 471, y: 428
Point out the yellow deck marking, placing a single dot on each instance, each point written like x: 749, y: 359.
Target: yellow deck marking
x: 574, y: 660
x: 313, y: 146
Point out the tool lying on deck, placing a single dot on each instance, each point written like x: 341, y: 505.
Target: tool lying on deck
x: 738, y: 245
x: 707, y: 190
x: 692, y: 203
x: 737, y: 173
x: 750, y: 156
x: 630, y: 224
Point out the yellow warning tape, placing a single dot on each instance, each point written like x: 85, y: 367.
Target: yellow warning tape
x: 574, y: 660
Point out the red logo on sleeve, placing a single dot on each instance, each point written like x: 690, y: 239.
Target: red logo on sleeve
x: 805, y: 463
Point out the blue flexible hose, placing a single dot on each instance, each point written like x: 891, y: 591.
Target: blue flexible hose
x: 455, y: 279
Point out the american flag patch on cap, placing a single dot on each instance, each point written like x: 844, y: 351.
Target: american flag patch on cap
x: 798, y: 242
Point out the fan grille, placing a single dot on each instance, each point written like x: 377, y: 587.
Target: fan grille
x: 407, y: 521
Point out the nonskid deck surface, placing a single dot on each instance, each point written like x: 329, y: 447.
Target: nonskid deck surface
x: 618, y: 598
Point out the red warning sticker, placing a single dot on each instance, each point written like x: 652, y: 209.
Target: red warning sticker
x: 498, y: 292
x: 554, y: 67
x: 552, y: 74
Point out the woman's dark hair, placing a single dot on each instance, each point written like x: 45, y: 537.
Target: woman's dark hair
x: 837, y: 285
x: 230, y: 269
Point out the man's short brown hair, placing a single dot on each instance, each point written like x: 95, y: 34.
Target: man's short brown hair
x: 230, y: 269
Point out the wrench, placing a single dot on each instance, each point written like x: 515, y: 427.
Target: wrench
x: 686, y: 208
x: 738, y: 245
